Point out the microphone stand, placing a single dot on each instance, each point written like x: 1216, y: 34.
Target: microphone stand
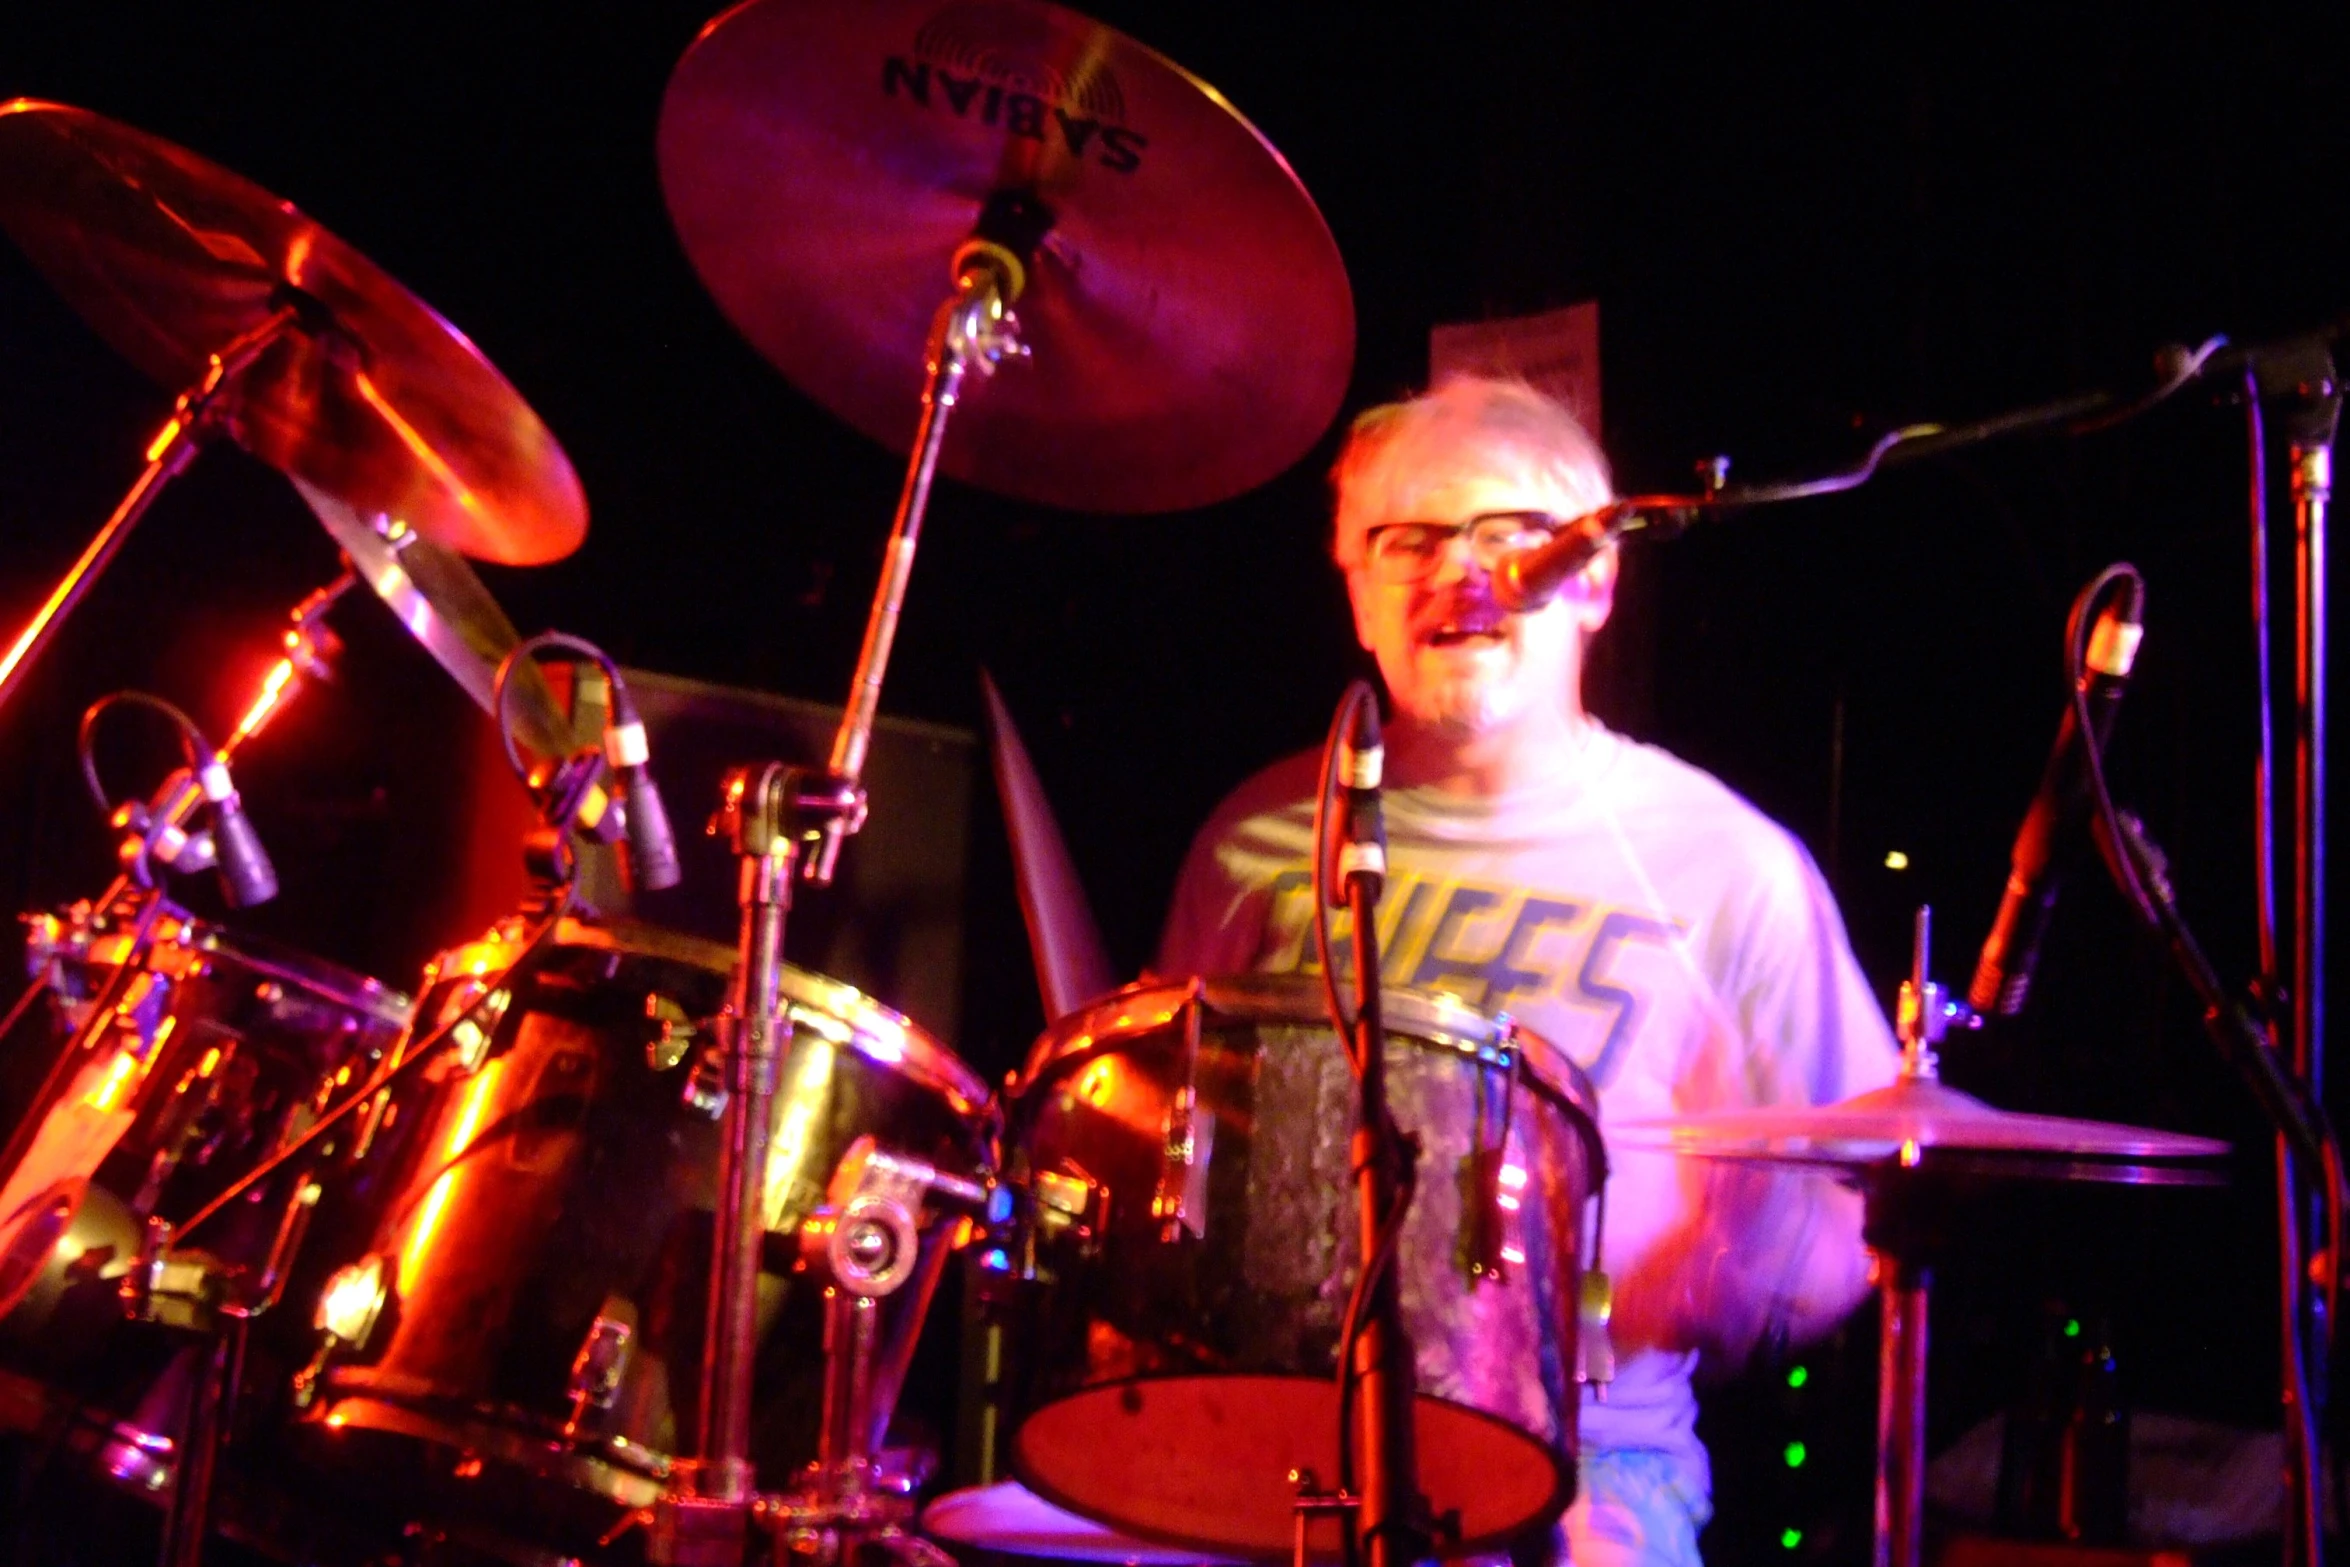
x: 1383, y: 1515
x: 1390, y: 1517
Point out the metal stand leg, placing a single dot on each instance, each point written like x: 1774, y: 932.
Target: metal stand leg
x: 2306, y: 1374
x: 211, y: 1403
x: 1901, y: 1411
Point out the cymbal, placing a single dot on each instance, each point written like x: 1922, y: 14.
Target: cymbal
x: 444, y: 605
x: 371, y: 397
x: 1188, y: 313
x: 1907, y: 1119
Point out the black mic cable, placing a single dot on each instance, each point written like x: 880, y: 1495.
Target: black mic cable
x: 636, y: 814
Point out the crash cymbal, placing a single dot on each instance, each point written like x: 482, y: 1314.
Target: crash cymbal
x: 434, y: 594
x: 1187, y: 310
x: 1909, y: 1118
x: 371, y: 397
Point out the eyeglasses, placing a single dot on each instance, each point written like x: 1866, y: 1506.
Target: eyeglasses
x: 1409, y: 551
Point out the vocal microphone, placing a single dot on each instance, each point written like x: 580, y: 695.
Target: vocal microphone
x: 246, y: 876
x: 652, y: 847
x: 2003, y: 975
x: 1524, y: 580
x: 1362, y: 846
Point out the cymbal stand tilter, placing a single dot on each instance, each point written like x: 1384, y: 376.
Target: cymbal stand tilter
x: 788, y: 823
x: 203, y: 410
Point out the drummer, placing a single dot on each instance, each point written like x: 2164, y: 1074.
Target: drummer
x: 1678, y: 944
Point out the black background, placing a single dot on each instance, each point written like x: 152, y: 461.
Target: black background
x: 1803, y: 225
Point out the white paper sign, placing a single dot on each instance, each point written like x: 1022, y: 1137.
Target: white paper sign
x: 1557, y: 351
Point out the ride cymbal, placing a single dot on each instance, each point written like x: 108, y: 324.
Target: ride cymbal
x: 369, y: 396
x: 1187, y: 311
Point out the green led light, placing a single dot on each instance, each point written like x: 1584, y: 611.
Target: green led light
x: 1798, y: 1376
x: 1796, y: 1454
x: 1789, y: 1539
x: 2072, y: 1327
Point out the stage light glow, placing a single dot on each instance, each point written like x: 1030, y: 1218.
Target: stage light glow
x: 418, y: 1246
x: 273, y: 691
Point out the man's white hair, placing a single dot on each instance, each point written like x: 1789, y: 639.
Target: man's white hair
x: 1464, y: 425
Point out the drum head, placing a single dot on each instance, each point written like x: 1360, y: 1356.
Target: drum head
x: 1135, y: 1455
x: 1009, y: 1518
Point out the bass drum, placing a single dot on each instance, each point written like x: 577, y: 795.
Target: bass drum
x: 1193, y: 1240
x: 516, y: 1344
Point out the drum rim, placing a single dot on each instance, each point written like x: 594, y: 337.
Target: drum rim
x: 1435, y: 1016
x: 323, y: 978
x: 1562, y: 1465
x: 880, y: 1033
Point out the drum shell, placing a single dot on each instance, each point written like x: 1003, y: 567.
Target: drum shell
x: 566, y: 1182
x: 226, y: 1050
x: 1255, y: 1280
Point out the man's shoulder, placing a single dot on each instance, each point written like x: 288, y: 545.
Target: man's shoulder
x: 1282, y: 789
x: 1649, y: 781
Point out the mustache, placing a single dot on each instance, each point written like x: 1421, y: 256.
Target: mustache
x: 1468, y: 602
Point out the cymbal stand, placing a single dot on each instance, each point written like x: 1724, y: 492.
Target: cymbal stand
x: 1903, y: 1226
x: 2311, y: 421
x: 199, y: 414
x: 772, y: 813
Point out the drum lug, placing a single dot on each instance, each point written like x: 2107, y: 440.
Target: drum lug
x: 1595, y: 1352
x: 1071, y: 1202
x: 472, y: 1015
x: 672, y: 1032
x: 349, y: 1306
x: 602, y: 1362
x: 704, y: 1091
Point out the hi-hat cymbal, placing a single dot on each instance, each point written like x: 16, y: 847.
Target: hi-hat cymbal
x: 434, y: 594
x: 1908, y: 1119
x: 1188, y: 313
x: 371, y: 398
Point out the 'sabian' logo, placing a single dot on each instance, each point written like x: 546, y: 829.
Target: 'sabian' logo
x: 994, y: 64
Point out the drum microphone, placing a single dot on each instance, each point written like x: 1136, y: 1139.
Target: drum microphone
x: 2003, y: 976
x: 1524, y: 580
x: 1362, y: 758
x: 652, y: 847
x: 246, y: 876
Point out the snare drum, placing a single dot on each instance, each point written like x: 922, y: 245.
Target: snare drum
x: 1185, y: 1148
x: 517, y: 1342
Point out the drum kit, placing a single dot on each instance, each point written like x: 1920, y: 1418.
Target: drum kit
x: 614, y: 1241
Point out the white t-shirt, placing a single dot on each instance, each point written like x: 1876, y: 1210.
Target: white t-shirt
x: 1678, y: 945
